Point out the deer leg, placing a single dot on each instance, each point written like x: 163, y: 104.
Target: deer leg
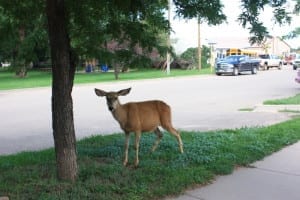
x: 137, y: 144
x: 159, y: 137
x: 177, y: 135
x: 126, y: 148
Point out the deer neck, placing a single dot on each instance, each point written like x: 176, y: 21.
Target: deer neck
x: 119, y: 113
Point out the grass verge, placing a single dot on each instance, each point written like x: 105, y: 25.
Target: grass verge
x: 40, y: 79
x: 246, y: 109
x: 295, y: 100
x: 290, y: 111
x: 165, y: 172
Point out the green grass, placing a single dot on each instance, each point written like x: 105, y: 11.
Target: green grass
x: 295, y: 100
x: 8, y: 80
x: 165, y: 172
x: 290, y: 111
x: 246, y: 109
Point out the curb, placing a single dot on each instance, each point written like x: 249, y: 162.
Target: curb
x: 277, y: 108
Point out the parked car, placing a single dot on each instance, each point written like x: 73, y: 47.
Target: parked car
x: 236, y: 64
x: 296, y: 62
x: 268, y: 60
x: 289, y: 58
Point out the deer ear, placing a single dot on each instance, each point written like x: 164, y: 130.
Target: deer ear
x: 100, y: 93
x: 124, y: 92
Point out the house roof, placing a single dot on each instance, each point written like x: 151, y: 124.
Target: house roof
x: 237, y: 42
x: 231, y: 42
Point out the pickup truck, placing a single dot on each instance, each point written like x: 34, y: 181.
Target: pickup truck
x: 268, y: 60
x: 236, y: 64
x: 296, y: 62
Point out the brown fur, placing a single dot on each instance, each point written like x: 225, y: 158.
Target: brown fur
x: 140, y: 117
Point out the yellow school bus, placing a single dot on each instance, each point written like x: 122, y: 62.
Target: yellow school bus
x: 234, y: 51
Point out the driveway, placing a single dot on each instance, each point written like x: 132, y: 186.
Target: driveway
x: 198, y: 103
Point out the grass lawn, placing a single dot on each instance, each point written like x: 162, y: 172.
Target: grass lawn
x: 8, y: 80
x: 246, y: 109
x: 41, y: 79
x: 295, y: 100
x: 165, y: 172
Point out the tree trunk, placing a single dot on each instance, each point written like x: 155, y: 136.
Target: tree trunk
x: 199, y: 44
x: 20, y: 66
x: 117, y: 70
x: 63, y: 70
x: 21, y: 72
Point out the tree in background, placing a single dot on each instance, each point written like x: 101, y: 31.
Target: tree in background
x: 296, y: 32
x: 90, y: 31
x: 249, y: 18
x: 191, y: 55
x: 23, y: 35
x: 118, y: 34
x: 293, y: 34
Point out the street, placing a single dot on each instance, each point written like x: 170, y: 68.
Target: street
x: 206, y: 102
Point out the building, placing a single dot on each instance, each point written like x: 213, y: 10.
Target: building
x: 271, y: 45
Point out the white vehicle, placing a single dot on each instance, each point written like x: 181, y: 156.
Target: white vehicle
x: 5, y: 64
x: 296, y: 62
x: 269, y: 60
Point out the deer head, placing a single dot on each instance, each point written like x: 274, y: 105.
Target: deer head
x: 112, y: 97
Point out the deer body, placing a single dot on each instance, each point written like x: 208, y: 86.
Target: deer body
x: 140, y: 117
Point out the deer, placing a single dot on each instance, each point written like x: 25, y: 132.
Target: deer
x: 140, y: 117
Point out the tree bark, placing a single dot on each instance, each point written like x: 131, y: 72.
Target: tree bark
x: 63, y: 70
x: 117, y: 70
x: 199, y: 44
x: 21, y: 70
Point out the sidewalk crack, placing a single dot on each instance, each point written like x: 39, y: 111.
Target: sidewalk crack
x: 194, y: 197
x: 277, y: 171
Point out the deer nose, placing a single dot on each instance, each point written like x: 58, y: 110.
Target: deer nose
x: 110, y: 108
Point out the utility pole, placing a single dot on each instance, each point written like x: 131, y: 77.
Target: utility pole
x: 212, y: 61
x: 169, y: 40
x: 199, y: 44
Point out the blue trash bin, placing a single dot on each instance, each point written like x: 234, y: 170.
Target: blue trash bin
x: 104, y: 68
x: 88, y: 68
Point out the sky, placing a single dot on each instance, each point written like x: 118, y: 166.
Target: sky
x: 186, y: 32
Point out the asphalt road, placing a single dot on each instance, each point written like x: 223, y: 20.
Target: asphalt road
x: 198, y: 103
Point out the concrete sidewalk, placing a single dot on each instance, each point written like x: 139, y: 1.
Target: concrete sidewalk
x: 276, y: 177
